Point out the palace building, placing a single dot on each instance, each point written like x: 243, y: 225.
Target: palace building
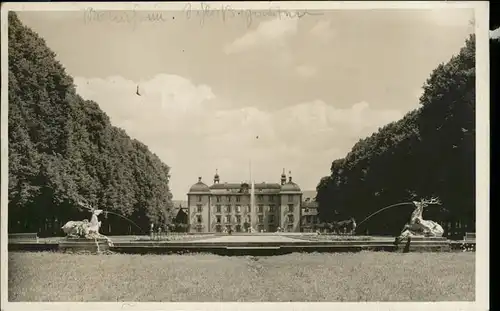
x: 241, y: 206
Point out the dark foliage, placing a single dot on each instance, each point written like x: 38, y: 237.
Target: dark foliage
x: 429, y: 152
x: 63, y: 149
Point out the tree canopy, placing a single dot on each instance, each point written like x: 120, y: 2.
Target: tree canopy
x: 429, y: 152
x: 63, y: 149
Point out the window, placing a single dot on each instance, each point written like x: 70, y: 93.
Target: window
x: 260, y: 228
x: 238, y: 209
x: 290, y: 208
x: 217, y: 208
x: 290, y: 218
x: 229, y: 198
x: 227, y: 219
x: 306, y: 210
x: 249, y: 209
x: 308, y: 219
x: 237, y: 199
x: 261, y: 219
x: 228, y: 209
x: 271, y: 208
x: 238, y: 218
x: 271, y: 218
x: 199, y: 208
x: 249, y: 219
x: 198, y: 218
x: 217, y: 198
x: 290, y: 198
x: 198, y: 229
x: 199, y: 198
x: 260, y: 197
x: 228, y: 228
x: 261, y: 208
x: 238, y: 228
x: 289, y: 228
x: 218, y: 219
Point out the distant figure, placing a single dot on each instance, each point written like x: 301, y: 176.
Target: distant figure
x: 151, y: 230
x: 137, y: 92
x: 353, y: 226
x: 159, y: 232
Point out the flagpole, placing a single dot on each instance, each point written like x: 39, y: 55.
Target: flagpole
x: 252, y: 191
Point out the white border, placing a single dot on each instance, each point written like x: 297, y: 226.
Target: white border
x: 482, y: 157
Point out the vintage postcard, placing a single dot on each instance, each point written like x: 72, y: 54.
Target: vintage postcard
x: 242, y: 155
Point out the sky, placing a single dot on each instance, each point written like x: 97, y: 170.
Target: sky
x: 309, y: 88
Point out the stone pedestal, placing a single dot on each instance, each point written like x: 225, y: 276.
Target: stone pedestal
x: 83, y: 246
x: 424, y: 244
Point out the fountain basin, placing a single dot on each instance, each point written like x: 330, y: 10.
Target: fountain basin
x: 83, y: 245
x: 425, y: 244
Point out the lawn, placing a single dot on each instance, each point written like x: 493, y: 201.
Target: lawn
x: 365, y: 276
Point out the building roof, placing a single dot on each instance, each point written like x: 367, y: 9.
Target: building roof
x: 309, y: 204
x: 290, y: 186
x: 199, y: 187
x: 243, y: 184
x: 260, y: 188
x: 309, y: 194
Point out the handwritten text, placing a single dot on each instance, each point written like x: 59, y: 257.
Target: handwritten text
x: 200, y: 12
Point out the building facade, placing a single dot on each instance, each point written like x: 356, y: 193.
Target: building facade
x: 238, y: 207
x: 309, y: 214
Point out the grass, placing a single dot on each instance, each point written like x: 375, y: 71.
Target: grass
x: 365, y: 276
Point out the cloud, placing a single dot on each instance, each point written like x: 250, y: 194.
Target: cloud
x: 267, y: 33
x: 495, y: 34
x: 306, y: 71
x: 182, y: 124
x: 323, y: 31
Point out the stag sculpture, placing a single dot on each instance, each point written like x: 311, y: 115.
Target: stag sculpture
x: 417, y: 226
x: 86, y: 229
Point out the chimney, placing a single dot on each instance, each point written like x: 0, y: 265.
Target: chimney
x: 283, y: 178
x: 199, y: 179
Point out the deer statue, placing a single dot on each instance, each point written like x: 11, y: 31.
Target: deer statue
x: 417, y: 226
x: 86, y: 229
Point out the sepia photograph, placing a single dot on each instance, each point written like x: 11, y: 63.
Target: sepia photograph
x: 245, y: 152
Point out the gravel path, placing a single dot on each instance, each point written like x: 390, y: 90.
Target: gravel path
x: 249, y: 238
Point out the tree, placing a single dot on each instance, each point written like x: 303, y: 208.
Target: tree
x: 429, y: 152
x: 63, y: 149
